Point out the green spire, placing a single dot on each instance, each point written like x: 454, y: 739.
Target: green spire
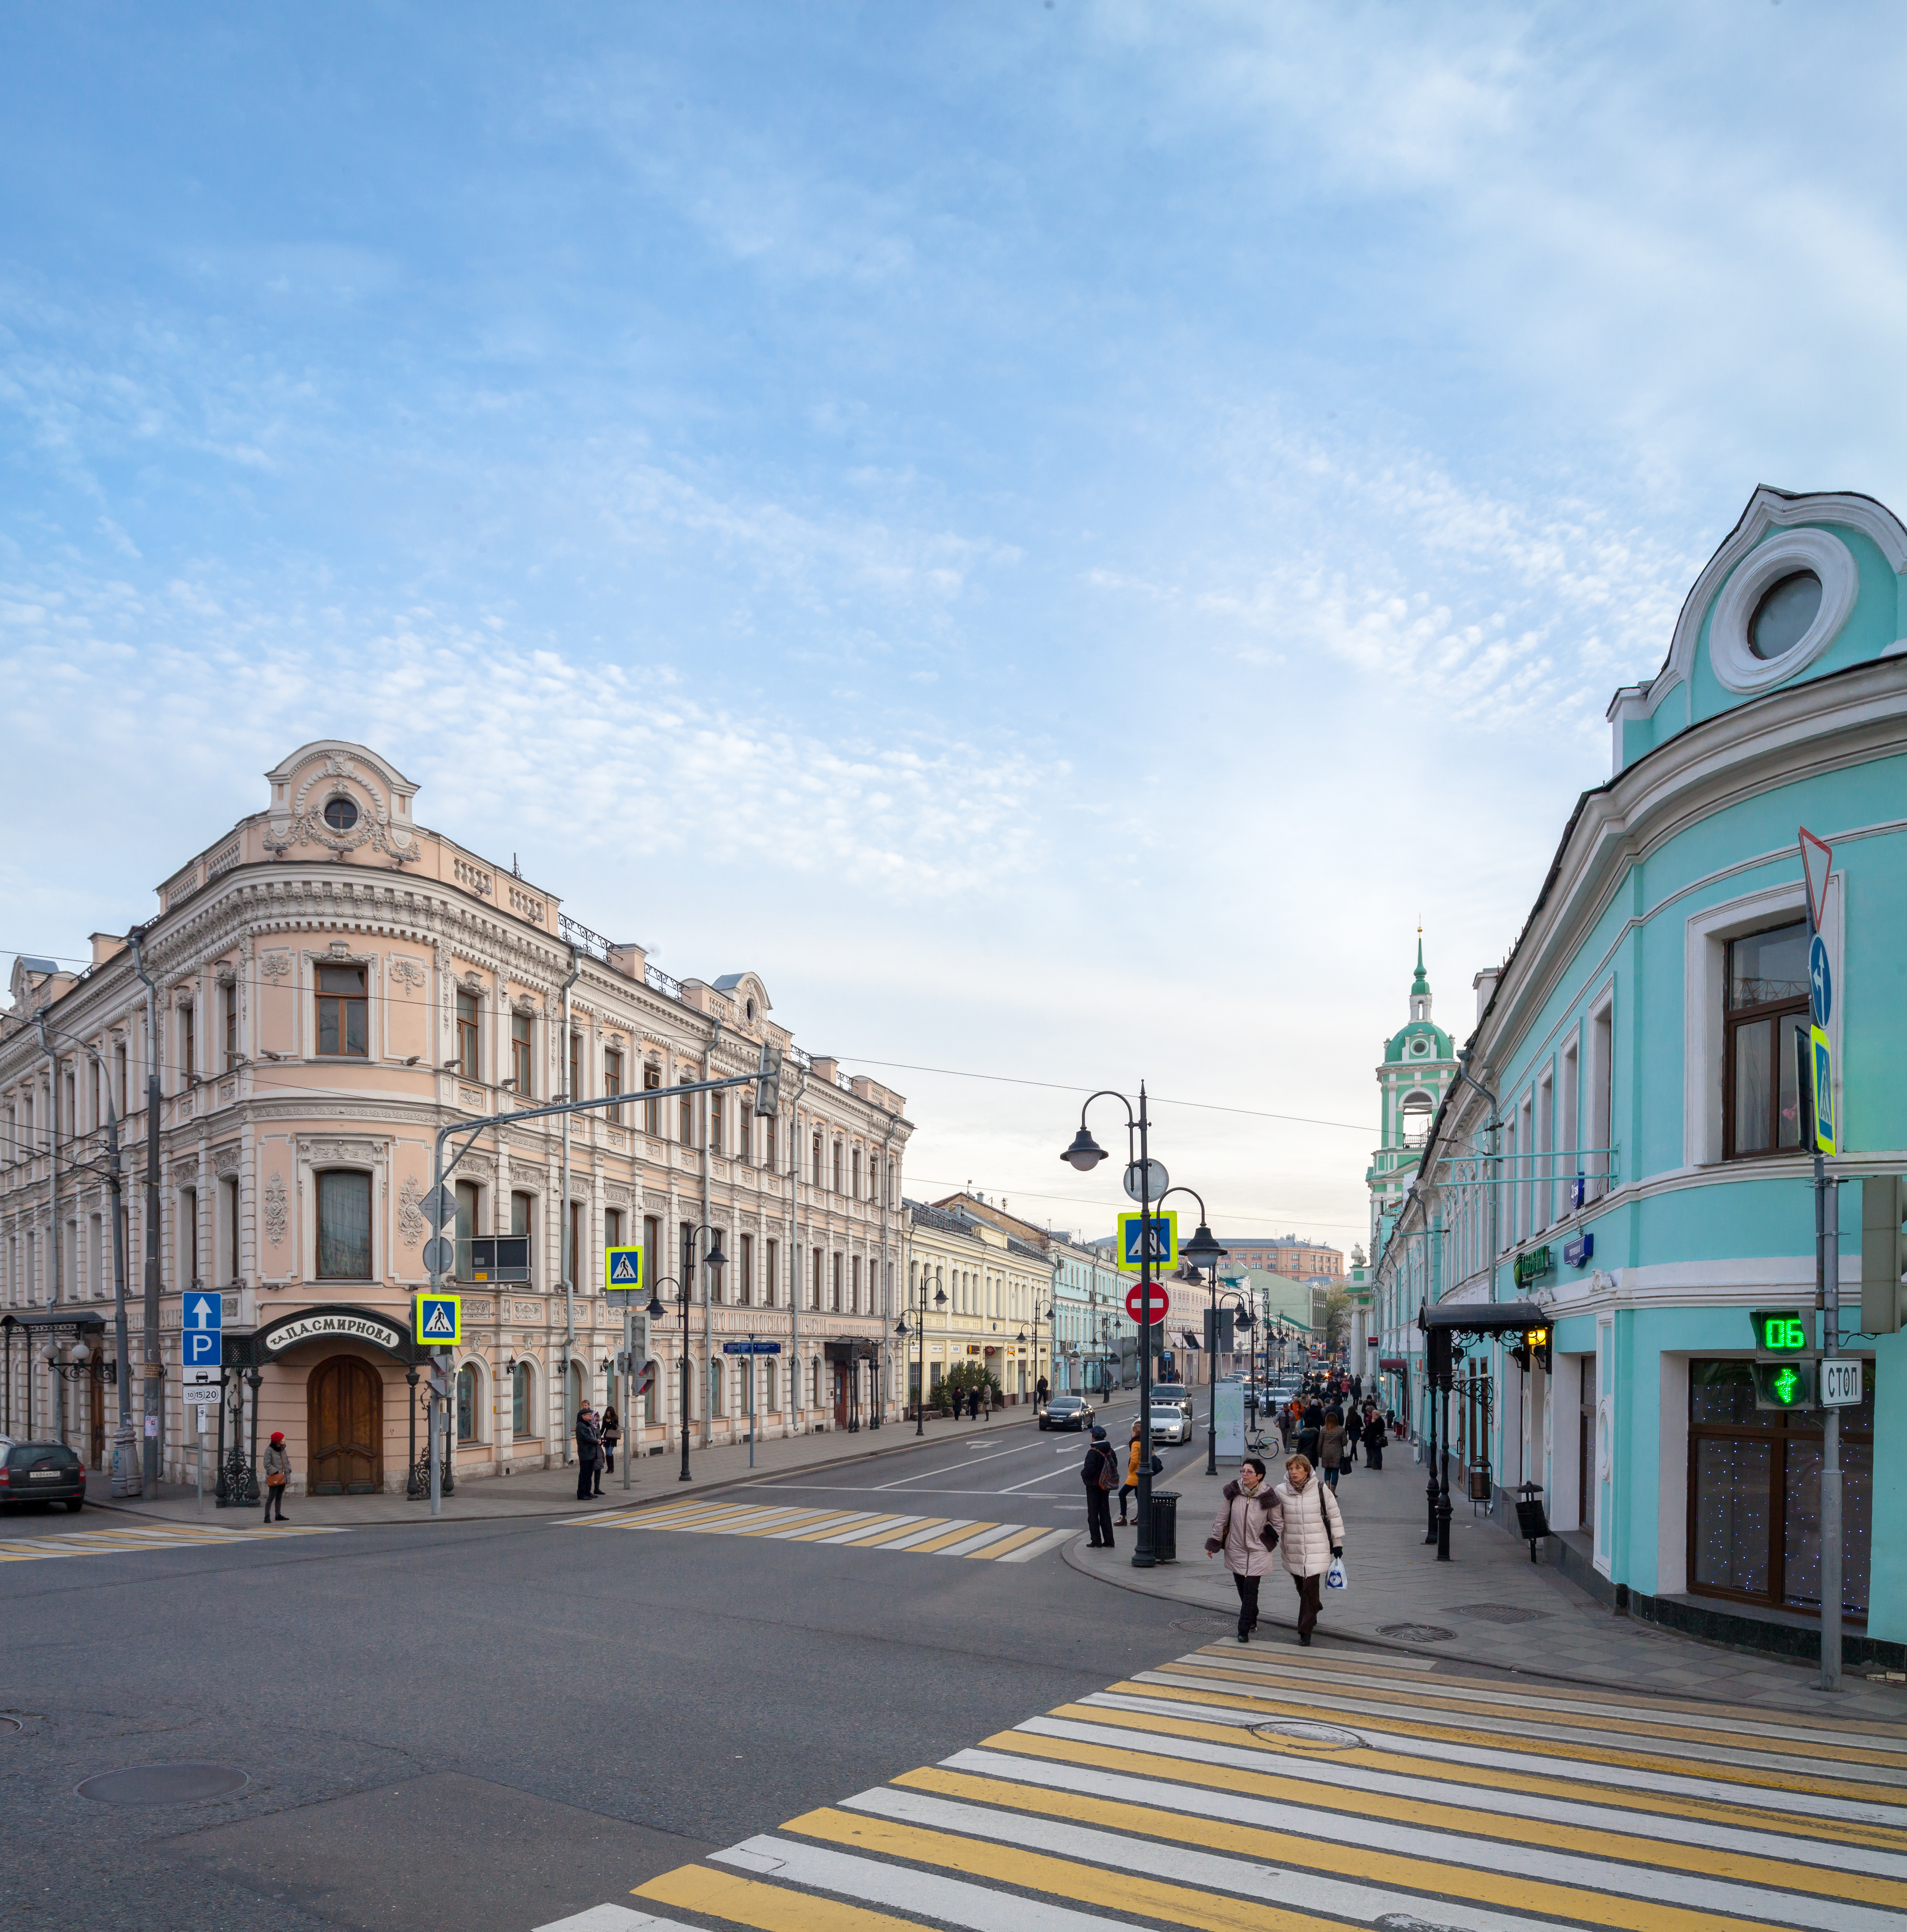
x: 1419, y: 986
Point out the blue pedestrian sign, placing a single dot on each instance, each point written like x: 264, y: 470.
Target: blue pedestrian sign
x: 437, y: 1321
x: 622, y: 1271
x: 1820, y: 981
x: 1134, y: 1229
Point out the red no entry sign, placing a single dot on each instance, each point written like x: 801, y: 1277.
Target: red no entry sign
x: 1136, y: 1307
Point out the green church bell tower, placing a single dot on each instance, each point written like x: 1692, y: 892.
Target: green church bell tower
x: 1419, y: 1062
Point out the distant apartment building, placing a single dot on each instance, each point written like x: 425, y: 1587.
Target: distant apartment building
x: 1283, y: 1254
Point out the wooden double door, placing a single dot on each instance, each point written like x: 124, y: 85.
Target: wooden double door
x: 345, y: 1400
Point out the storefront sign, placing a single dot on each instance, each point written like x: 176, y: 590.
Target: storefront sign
x: 335, y: 1324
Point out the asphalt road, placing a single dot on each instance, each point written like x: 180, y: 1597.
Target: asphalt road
x: 494, y: 1725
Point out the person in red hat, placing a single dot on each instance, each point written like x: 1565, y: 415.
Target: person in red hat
x: 277, y: 1473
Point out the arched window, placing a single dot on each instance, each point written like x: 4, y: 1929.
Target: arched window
x: 520, y: 1383
x: 717, y: 1376
x: 343, y: 1225
x: 652, y: 1402
x: 467, y: 1404
x: 1418, y: 1109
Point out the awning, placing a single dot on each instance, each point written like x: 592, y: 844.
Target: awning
x: 1392, y: 1365
x: 66, y: 1321
x: 1482, y: 1318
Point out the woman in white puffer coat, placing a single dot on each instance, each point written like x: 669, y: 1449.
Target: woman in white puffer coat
x: 1311, y: 1532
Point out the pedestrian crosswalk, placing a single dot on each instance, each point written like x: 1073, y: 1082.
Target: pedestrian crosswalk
x: 1254, y: 1790
x: 846, y: 1529
x: 151, y: 1536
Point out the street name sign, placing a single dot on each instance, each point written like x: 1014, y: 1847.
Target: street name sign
x: 1138, y: 1232
x: 1135, y: 1305
x: 751, y: 1348
x: 438, y: 1321
x: 1840, y: 1382
x: 622, y: 1274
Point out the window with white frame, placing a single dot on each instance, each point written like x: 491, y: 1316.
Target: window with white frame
x: 344, y: 1224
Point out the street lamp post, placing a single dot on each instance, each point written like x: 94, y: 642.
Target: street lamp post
x: 921, y: 1330
x: 1083, y: 1156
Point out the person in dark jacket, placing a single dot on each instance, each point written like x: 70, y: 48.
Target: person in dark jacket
x: 1099, y: 1473
x: 589, y: 1443
x: 612, y: 1434
x: 1332, y: 1446
x: 1373, y: 1438
x: 277, y: 1475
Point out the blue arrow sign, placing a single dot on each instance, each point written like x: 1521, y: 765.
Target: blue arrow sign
x: 201, y: 1348
x: 205, y: 1311
x: 1820, y: 981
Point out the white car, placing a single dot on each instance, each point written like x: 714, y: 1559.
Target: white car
x: 1171, y: 1425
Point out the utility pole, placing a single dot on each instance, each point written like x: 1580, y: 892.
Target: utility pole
x: 154, y: 1367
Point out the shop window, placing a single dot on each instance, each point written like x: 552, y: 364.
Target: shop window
x: 521, y: 1381
x: 344, y: 1226
x: 1766, y: 994
x: 343, y: 1011
x: 1754, y: 1495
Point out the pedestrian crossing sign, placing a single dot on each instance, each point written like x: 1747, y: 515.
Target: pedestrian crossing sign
x: 622, y: 1271
x: 437, y: 1321
x: 1139, y: 1232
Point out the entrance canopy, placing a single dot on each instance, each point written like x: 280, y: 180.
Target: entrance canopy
x: 1482, y: 1318
x: 337, y: 1323
x: 54, y: 1320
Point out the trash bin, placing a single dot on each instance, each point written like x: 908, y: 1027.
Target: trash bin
x: 1165, y: 1525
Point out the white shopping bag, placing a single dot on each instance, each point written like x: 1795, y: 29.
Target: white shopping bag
x: 1334, y: 1577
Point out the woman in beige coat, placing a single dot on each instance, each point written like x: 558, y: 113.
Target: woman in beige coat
x: 1311, y: 1527
x: 1242, y: 1529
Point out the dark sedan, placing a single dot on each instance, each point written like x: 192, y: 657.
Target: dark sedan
x: 40, y: 1472
x: 1067, y: 1411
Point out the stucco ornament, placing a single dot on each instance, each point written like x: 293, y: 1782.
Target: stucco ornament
x: 410, y: 1211
x: 275, y: 1210
x: 406, y: 972
x: 275, y: 965
x: 371, y: 800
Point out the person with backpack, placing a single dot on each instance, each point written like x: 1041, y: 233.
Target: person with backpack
x: 1099, y: 1473
x: 1310, y: 1530
x: 1242, y: 1530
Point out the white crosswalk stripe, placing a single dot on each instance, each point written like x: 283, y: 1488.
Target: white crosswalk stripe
x: 117, y: 1542
x: 1257, y: 1790
x: 846, y: 1529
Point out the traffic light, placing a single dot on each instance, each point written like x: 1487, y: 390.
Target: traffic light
x: 768, y: 1081
x: 1784, y: 1384
x: 1883, y: 1253
x: 645, y: 1381
x: 1780, y: 1332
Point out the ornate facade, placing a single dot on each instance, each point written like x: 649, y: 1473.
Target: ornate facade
x: 335, y: 984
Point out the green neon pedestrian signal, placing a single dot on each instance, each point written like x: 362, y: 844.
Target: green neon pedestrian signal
x: 1785, y: 1385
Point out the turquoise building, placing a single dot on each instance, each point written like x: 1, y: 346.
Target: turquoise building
x: 1624, y: 1145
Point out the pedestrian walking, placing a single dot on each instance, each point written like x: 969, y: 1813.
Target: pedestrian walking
x: 1332, y: 1446
x: 277, y: 1475
x: 1099, y: 1473
x: 1373, y: 1440
x: 973, y: 1404
x: 1131, y: 1483
x: 1310, y: 1530
x: 1039, y: 1392
x: 612, y: 1434
x: 589, y: 1442
x: 1242, y: 1530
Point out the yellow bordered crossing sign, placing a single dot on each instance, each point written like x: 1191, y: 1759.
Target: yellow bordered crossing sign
x: 1820, y: 1058
x: 622, y: 1271
x: 1164, y: 1241
x: 437, y: 1321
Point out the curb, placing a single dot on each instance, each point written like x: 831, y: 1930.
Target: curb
x: 569, y: 1505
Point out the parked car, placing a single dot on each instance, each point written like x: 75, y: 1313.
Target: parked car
x: 1067, y: 1411
x: 45, y: 1473
x: 1171, y: 1425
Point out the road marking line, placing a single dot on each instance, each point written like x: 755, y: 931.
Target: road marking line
x: 1017, y: 1540
x: 745, y: 1901
x: 912, y: 1526
x: 961, y: 1529
x: 1537, y: 1878
x: 1051, y: 1540
x: 838, y: 1526
x: 615, y: 1919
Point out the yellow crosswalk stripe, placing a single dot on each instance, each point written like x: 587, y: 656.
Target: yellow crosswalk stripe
x: 959, y: 1534
x: 1006, y: 1545
x: 745, y: 1901
x: 907, y: 1526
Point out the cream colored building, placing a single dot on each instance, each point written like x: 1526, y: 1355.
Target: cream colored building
x: 335, y: 983
x: 998, y: 1289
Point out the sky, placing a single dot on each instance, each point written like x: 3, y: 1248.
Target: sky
x: 1056, y: 533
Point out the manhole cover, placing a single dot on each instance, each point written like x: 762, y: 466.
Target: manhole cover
x: 1499, y: 1613
x: 10, y: 1724
x: 1299, y: 1731
x: 1416, y: 1633
x: 1204, y: 1625
x: 163, y: 1783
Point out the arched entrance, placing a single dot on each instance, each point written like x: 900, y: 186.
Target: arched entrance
x: 345, y: 1428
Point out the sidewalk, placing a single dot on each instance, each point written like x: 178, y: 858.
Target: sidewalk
x: 1488, y: 1606
x: 552, y: 1492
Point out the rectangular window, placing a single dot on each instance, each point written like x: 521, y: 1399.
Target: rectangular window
x: 768, y: 1153
x: 520, y: 1400
x: 612, y: 1082
x: 716, y: 1142
x: 229, y: 997
x: 188, y: 1235
x: 744, y: 1130
x: 469, y: 1059
x: 1546, y: 1151
x: 652, y: 1110
x: 652, y: 1249
x: 612, y: 1228
x: 856, y: 1173
x: 119, y: 1077
x: 343, y: 1225
x: 835, y: 1273
x: 572, y: 1260
x: 686, y: 1120
x: 1568, y: 1135
x: 575, y: 1092
x: 814, y: 1289
x: 188, y: 1042
x: 520, y: 1053
x: 717, y: 1277
x: 1766, y: 1015
x: 814, y: 1176
x: 685, y: 1266
x: 228, y: 1192
x: 768, y: 1278
x: 1602, y: 1112
x: 343, y: 1021
x: 853, y: 1286
x: 745, y: 1272
x: 837, y: 1167
x: 466, y: 1415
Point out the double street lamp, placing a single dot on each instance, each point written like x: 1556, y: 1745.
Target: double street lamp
x: 713, y: 1260
x: 921, y: 1330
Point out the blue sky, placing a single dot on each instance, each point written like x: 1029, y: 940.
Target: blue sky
x: 1055, y: 533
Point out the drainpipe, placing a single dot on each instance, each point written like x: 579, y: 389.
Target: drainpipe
x: 565, y: 1270
x: 52, y: 1155
x: 708, y: 1284
x: 153, y: 1366
x: 792, y: 1391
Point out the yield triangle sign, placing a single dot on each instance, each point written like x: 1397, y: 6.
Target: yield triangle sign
x: 1816, y: 859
